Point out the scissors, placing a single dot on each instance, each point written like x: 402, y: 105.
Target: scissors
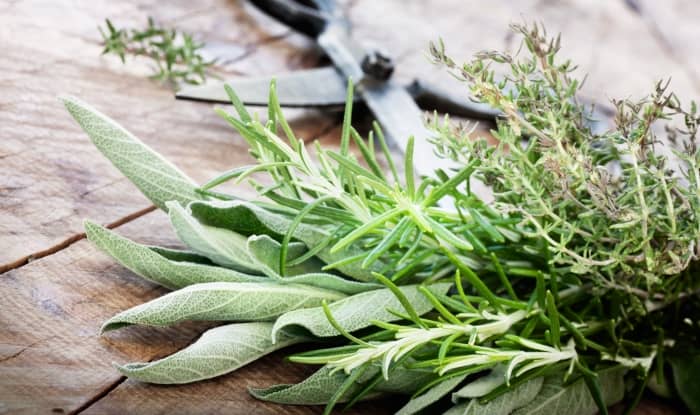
x: 396, y: 107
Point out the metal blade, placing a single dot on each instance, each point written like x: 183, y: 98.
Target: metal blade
x: 321, y: 87
x: 401, y: 118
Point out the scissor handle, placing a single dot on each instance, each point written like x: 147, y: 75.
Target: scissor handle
x: 308, y: 19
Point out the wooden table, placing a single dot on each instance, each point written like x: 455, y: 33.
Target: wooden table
x: 56, y: 289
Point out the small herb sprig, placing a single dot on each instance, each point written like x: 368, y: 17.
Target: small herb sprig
x: 176, y: 55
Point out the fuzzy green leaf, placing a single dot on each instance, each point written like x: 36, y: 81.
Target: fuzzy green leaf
x: 685, y: 371
x: 158, y: 179
x: 249, y: 219
x: 431, y: 396
x: 220, y: 350
x: 265, y: 252
x: 358, y: 311
x: 318, y: 388
x: 224, y: 247
x: 331, y: 282
x: 223, y: 301
x: 575, y: 399
x: 503, y: 405
x: 482, y: 385
x: 158, y: 265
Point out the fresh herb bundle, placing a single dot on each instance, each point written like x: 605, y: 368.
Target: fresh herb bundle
x: 176, y: 55
x: 572, y: 290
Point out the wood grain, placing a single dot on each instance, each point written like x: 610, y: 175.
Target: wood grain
x: 51, y: 177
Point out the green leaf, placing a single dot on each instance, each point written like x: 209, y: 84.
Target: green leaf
x: 331, y: 282
x: 358, y: 311
x: 503, y: 405
x: 318, y: 388
x: 220, y: 350
x: 223, y: 301
x: 431, y: 396
x: 575, y: 399
x: 158, y: 179
x: 171, y: 269
x: 247, y: 219
x: 685, y: 372
x: 265, y: 252
x: 222, y: 246
x: 483, y: 385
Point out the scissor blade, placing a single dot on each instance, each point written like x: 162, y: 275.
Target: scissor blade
x: 401, y: 118
x: 321, y: 87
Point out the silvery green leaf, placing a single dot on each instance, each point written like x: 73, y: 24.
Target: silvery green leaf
x: 483, y: 385
x: 575, y: 399
x: 332, y: 282
x: 318, y: 388
x: 158, y: 179
x: 223, y: 301
x: 179, y: 255
x: 220, y: 350
x: 224, y: 247
x: 158, y: 265
x: 503, y: 405
x: 685, y: 369
x: 431, y: 396
x: 249, y: 219
x: 357, y: 311
x: 265, y: 252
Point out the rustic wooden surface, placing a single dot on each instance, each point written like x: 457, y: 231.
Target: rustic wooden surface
x: 56, y: 289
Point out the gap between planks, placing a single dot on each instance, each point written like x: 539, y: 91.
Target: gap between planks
x: 101, y: 394
x: 70, y: 241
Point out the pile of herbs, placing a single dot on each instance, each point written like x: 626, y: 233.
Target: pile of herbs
x: 572, y: 288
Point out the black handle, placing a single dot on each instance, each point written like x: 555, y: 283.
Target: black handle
x: 310, y: 19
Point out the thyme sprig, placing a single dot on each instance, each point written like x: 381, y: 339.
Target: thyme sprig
x: 176, y: 55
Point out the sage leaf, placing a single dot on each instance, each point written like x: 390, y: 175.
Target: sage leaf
x: 158, y: 179
x: 224, y: 247
x: 575, y: 399
x: 332, y: 282
x: 249, y: 219
x: 223, y: 301
x: 179, y: 255
x: 219, y: 351
x: 158, y: 265
x: 503, y: 405
x: 318, y: 388
x: 431, y: 396
x: 685, y: 372
x: 483, y: 385
x: 358, y: 311
x: 265, y: 252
